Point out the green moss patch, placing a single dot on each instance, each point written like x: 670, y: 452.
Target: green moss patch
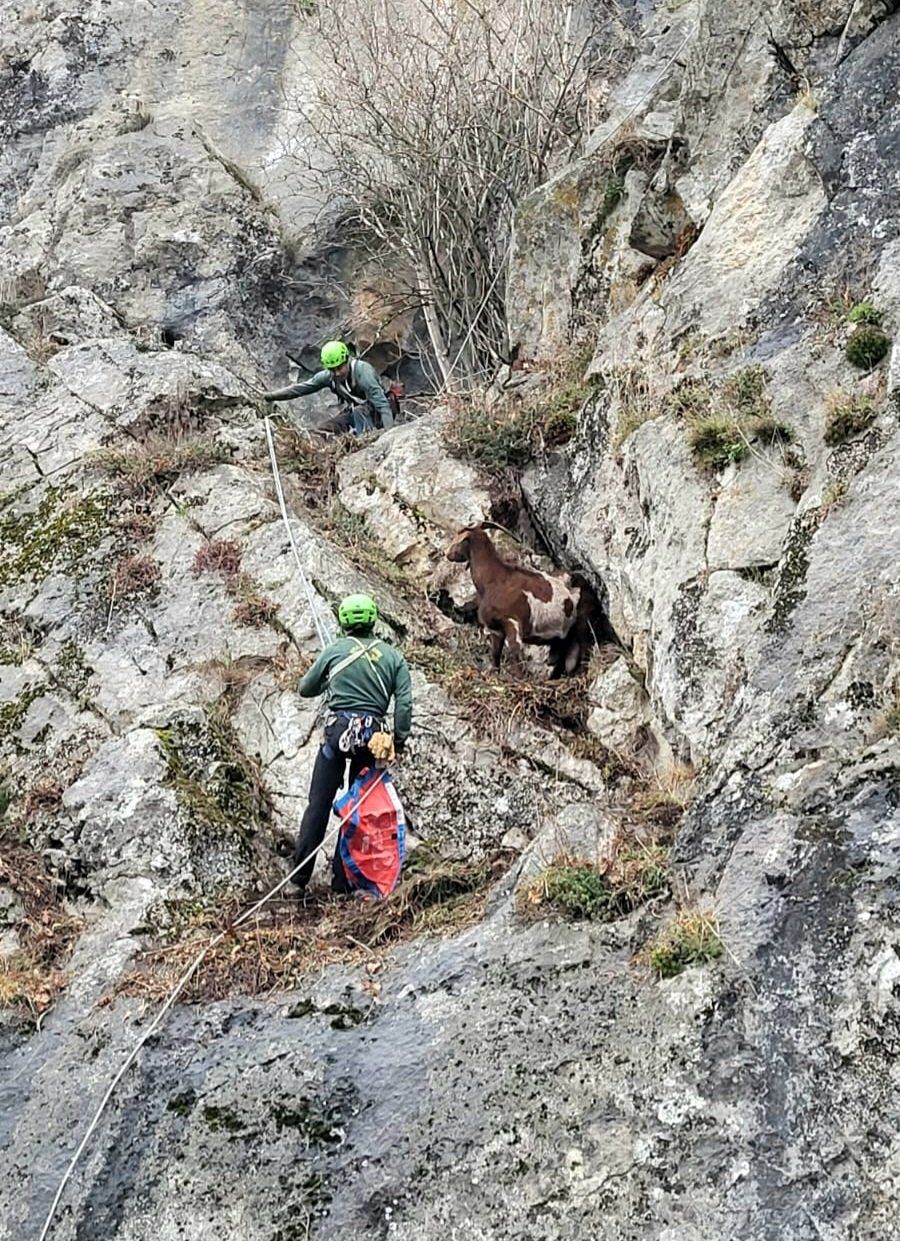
x: 218, y: 786
x: 60, y: 535
x: 864, y: 312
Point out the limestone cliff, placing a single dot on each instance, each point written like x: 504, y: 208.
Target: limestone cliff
x: 729, y: 247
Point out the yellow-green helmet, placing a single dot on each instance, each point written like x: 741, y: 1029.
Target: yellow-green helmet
x: 334, y: 353
x: 357, y: 612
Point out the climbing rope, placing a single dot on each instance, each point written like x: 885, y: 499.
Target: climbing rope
x: 321, y: 632
x: 172, y: 997
x: 324, y: 637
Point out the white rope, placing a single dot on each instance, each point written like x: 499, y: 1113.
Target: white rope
x: 173, y: 996
x: 321, y: 632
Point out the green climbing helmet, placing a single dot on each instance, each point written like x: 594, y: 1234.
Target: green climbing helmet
x: 357, y: 612
x: 334, y: 353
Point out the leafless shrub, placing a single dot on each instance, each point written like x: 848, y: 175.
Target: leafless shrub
x: 429, y: 158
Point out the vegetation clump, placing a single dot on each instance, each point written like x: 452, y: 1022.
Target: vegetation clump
x: 692, y: 939
x: 218, y: 556
x: 848, y: 416
x: 134, y: 577
x: 718, y: 442
x: 867, y: 346
x: 157, y: 460
x: 287, y: 942
x: 580, y: 890
x: 864, y: 312
x: 515, y: 430
x: 725, y: 419
x: 32, y: 977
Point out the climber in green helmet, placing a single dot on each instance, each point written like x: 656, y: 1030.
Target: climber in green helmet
x: 359, y: 675
x: 356, y: 385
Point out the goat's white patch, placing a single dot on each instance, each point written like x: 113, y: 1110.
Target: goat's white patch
x: 549, y: 620
x: 516, y: 639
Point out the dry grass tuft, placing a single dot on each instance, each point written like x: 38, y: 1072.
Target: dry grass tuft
x: 498, y: 702
x: 218, y: 556
x: 42, y: 798
x: 667, y: 796
x: 518, y: 428
x: 290, y: 940
x: 133, y: 577
x: 312, y: 460
x: 31, y: 978
x: 157, y: 460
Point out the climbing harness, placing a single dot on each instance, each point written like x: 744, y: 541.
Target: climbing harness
x: 325, y: 635
x: 173, y: 996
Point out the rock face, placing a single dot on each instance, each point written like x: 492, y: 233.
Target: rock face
x: 730, y: 490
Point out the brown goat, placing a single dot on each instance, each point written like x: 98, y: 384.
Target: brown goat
x: 518, y: 605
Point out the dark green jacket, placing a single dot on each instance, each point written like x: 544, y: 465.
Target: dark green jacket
x: 366, y: 685
x: 362, y: 384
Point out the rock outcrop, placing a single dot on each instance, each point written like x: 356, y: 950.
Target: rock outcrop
x: 731, y: 493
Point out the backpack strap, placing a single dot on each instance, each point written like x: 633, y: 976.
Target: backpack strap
x: 361, y: 652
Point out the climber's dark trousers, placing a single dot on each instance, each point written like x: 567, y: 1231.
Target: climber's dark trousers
x: 328, y: 776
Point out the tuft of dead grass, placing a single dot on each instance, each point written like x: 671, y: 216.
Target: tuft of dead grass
x: 290, y: 939
x: 133, y: 577
x: 32, y: 977
x: 497, y: 702
x: 664, y: 799
x: 312, y: 460
x: 157, y: 460
x: 218, y: 556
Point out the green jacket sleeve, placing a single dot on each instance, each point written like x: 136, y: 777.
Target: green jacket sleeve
x: 368, y: 381
x: 313, y: 683
x: 402, y: 701
x: 320, y: 380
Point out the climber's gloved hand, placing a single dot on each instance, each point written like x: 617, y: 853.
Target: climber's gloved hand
x: 399, y: 746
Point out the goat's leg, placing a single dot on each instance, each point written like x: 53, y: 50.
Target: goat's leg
x: 514, y: 642
x: 498, y: 638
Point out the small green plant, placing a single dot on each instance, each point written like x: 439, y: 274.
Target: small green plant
x: 848, y: 416
x: 864, y: 312
x: 745, y: 391
x: 866, y: 347
x: 575, y: 888
x: 692, y: 939
x: 581, y: 890
x: 717, y: 442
